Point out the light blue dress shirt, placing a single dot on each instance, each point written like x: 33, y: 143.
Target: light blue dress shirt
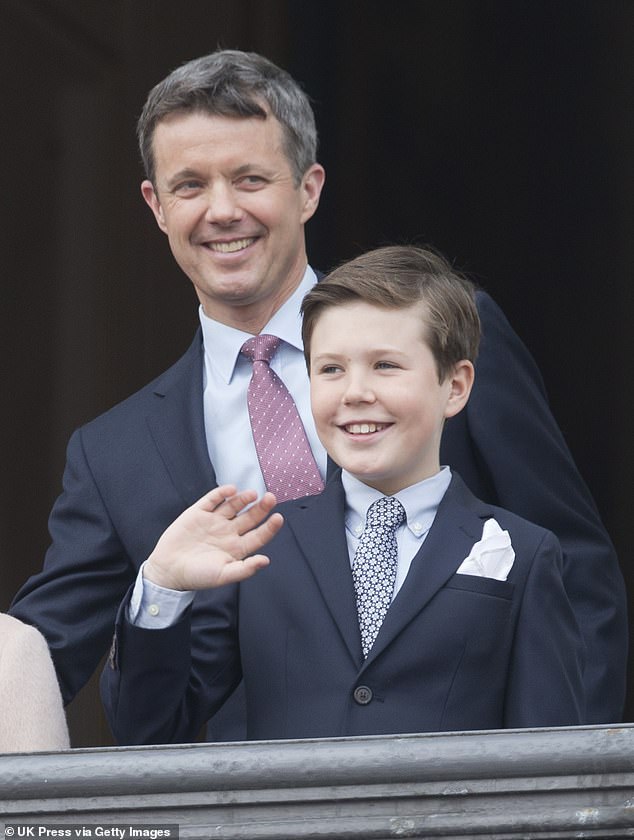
x: 226, y: 379
x: 420, y: 501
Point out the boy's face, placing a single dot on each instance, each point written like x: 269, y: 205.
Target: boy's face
x: 378, y: 405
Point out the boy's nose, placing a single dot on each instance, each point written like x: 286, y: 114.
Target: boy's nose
x: 358, y: 390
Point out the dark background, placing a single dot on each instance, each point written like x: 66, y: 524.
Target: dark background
x: 500, y: 131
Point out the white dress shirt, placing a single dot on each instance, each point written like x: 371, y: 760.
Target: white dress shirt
x: 154, y: 607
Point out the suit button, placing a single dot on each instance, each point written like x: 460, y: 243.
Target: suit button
x: 362, y: 695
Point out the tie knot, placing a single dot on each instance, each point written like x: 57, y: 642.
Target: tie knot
x: 387, y: 512
x: 260, y: 348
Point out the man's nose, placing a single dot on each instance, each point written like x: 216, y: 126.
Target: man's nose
x: 222, y: 208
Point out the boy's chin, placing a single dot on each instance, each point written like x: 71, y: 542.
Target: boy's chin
x: 389, y: 483
x: 378, y: 481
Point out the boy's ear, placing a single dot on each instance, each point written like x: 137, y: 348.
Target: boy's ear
x: 461, y: 382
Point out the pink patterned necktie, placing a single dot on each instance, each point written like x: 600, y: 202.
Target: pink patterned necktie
x: 285, y: 457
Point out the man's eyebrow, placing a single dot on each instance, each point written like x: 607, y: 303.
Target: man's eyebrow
x: 244, y: 169
x: 173, y: 180
x: 255, y: 168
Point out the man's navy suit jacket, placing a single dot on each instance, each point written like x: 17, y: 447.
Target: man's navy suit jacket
x: 133, y: 470
x: 454, y: 652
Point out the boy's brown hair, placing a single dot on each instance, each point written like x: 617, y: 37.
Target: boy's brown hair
x: 397, y: 277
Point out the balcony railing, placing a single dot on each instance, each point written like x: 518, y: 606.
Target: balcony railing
x: 543, y: 783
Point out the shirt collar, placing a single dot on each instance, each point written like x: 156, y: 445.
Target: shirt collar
x: 420, y: 501
x: 222, y: 343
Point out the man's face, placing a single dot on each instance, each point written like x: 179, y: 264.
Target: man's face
x: 226, y: 198
x: 378, y: 405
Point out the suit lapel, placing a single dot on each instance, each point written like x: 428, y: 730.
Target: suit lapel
x: 176, y: 423
x: 331, y: 468
x: 457, y: 526
x: 319, y: 527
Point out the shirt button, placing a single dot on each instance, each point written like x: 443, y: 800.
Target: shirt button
x: 417, y: 527
x: 154, y: 609
x: 362, y: 695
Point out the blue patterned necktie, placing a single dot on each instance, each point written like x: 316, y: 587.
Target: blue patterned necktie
x: 374, y: 566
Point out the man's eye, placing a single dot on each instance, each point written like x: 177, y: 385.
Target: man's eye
x: 187, y: 187
x: 251, y: 181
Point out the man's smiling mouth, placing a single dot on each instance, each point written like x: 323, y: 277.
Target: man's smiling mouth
x: 231, y: 247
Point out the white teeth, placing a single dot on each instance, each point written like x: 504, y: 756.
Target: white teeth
x: 230, y: 247
x: 364, y: 428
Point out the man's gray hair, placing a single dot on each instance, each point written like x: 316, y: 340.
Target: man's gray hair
x: 233, y: 83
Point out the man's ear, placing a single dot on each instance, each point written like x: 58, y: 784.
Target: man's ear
x: 460, y: 382
x: 151, y: 199
x: 311, y: 186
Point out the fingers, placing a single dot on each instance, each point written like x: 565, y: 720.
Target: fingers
x: 237, y: 572
x: 229, y: 502
x: 253, y: 516
x: 215, y: 498
x: 255, y: 538
x: 251, y: 525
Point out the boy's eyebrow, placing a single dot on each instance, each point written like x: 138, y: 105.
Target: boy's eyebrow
x: 371, y: 351
x: 318, y: 357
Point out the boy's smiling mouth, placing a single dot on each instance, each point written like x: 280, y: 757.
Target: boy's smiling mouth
x: 364, y: 428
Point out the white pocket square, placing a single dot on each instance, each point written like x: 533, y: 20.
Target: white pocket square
x: 492, y: 556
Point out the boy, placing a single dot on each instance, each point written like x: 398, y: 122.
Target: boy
x: 395, y: 601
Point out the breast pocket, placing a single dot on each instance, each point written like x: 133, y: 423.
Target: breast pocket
x: 482, y: 585
x: 474, y: 614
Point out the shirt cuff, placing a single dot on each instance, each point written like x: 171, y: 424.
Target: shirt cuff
x: 154, y: 607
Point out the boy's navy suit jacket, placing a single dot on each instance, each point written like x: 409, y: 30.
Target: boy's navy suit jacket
x: 133, y: 470
x: 454, y: 652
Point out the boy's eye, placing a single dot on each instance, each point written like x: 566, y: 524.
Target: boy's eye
x: 385, y: 365
x: 330, y: 369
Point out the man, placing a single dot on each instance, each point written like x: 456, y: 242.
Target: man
x: 229, y: 147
